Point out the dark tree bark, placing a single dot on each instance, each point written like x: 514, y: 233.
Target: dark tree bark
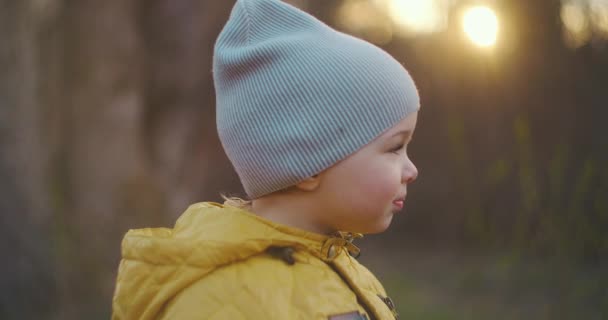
x: 107, y: 123
x: 27, y: 280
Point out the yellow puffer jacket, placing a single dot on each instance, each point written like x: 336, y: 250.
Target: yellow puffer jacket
x: 224, y: 263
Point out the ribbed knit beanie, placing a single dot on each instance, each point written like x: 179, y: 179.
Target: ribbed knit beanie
x: 295, y: 97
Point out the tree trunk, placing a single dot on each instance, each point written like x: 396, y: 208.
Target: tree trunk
x: 107, y: 123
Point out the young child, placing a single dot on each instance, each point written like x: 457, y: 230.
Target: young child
x: 316, y: 123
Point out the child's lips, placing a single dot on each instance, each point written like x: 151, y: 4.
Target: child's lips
x: 398, y: 204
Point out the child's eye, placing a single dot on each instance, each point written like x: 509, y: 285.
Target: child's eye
x: 396, y: 149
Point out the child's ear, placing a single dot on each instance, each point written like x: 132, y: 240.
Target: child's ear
x: 310, y: 184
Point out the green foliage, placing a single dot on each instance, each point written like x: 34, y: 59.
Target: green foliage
x: 562, y: 204
x: 493, y: 287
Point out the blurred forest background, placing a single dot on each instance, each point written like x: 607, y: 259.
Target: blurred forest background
x: 107, y: 123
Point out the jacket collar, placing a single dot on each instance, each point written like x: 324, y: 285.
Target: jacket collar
x: 326, y: 247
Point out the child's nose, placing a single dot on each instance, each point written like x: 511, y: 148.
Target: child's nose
x: 410, y: 172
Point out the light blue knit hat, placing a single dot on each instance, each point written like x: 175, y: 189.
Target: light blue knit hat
x: 294, y: 96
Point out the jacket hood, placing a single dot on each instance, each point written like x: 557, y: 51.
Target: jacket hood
x: 157, y: 263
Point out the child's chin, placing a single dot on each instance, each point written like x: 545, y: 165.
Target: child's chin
x: 378, y: 227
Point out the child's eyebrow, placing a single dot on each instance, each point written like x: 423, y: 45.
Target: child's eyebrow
x: 406, y: 133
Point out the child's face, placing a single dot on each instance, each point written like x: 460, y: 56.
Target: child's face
x: 362, y: 192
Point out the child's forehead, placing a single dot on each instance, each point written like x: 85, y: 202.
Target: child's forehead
x: 405, y: 126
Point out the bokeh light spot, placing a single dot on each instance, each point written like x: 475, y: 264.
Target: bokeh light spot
x: 418, y: 16
x: 365, y: 20
x: 576, y: 23
x: 481, y: 25
x: 599, y: 16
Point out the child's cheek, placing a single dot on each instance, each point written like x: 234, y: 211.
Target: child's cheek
x: 380, y: 184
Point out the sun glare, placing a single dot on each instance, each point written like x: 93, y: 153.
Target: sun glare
x: 481, y: 25
x: 424, y: 16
